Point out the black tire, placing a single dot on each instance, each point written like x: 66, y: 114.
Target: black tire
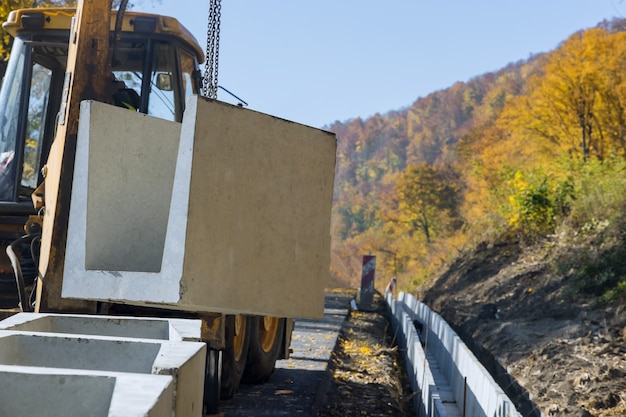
x: 234, y: 355
x: 212, y: 376
x: 266, y: 339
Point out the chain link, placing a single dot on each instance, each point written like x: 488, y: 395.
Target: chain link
x: 212, y: 49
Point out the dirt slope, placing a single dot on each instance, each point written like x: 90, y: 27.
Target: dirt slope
x: 565, y: 352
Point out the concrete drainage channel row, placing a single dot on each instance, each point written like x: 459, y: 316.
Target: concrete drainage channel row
x: 452, y: 382
x: 100, y: 366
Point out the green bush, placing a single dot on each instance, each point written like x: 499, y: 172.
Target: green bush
x: 539, y: 202
x: 603, y: 277
x: 600, y: 187
x: 614, y: 294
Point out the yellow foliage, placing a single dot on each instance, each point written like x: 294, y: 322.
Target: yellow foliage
x: 517, y: 185
x: 359, y: 347
x: 577, y: 103
x: 504, y: 141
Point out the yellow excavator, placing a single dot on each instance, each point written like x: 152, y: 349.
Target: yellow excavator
x: 143, y: 63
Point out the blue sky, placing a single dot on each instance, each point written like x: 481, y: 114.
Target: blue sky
x: 315, y: 62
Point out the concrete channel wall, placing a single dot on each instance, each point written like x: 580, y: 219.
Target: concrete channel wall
x: 451, y: 380
x: 102, y: 366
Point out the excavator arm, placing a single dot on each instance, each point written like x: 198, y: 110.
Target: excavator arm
x: 86, y: 78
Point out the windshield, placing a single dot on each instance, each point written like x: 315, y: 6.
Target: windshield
x: 150, y: 76
x: 10, y: 104
x: 161, y: 85
x: 25, y: 115
x: 35, y: 124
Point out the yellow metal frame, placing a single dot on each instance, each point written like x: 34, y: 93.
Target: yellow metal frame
x: 61, y: 19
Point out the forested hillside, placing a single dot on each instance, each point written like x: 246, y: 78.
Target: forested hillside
x: 534, y: 149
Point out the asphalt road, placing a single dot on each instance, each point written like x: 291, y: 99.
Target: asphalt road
x: 299, y: 384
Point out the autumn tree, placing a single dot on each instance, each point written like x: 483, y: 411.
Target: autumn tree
x: 577, y: 104
x: 533, y: 144
x: 426, y: 200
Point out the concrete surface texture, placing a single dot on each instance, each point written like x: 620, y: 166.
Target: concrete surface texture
x: 421, y: 375
x: 54, y: 392
x: 458, y: 376
x: 248, y: 211
x: 117, y: 326
x: 49, y: 353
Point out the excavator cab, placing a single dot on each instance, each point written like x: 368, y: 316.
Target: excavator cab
x: 154, y: 68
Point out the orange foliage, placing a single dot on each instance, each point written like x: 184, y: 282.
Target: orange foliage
x: 475, y: 137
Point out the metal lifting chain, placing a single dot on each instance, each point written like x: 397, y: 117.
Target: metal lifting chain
x: 212, y: 49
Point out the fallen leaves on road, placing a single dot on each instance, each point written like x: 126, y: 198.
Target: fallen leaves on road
x: 368, y: 377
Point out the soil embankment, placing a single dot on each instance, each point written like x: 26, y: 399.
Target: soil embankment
x: 523, y: 319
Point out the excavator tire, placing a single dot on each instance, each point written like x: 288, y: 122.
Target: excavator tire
x: 212, y: 376
x: 234, y: 355
x: 266, y: 337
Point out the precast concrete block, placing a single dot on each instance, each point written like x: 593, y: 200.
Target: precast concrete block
x: 473, y: 408
x: 113, y: 326
x: 450, y: 356
x: 415, y: 357
x: 407, y: 325
x: 414, y: 369
x: 63, y: 392
x: 435, y: 405
x: 184, y: 361
x: 239, y: 211
x: 489, y: 397
x: 483, y: 391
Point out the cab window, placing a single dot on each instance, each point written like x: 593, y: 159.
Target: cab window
x: 35, y: 124
x: 162, y: 98
x: 126, y: 80
x: 188, y: 70
x: 27, y: 110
